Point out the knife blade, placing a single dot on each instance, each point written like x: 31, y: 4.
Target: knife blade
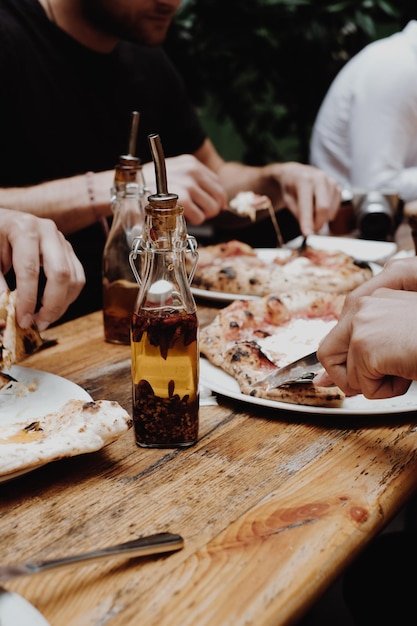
x: 301, y: 370
x: 144, y: 546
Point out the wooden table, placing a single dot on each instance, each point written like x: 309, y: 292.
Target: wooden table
x: 272, y: 506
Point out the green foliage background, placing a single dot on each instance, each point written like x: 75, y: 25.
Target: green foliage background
x: 259, y: 69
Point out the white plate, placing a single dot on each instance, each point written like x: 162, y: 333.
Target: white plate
x: 218, y: 381
x: 369, y: 251
x: 50, y: 394
x: 220, y: 296
x: 16, y: 611
x: 361, y: 249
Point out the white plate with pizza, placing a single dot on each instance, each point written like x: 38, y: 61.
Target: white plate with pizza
x: 44, y: 417
x: 249, y: 341
x: 34, y: 394
x: 361, y: 249
x: 222, y: 383
x: 235, y: 271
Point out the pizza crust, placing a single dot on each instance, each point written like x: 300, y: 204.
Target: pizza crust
x: 76, y: 428
x: 16, y: 343
x: 308, y: 394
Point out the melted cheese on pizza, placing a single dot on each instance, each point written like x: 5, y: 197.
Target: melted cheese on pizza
x: 294, y: 340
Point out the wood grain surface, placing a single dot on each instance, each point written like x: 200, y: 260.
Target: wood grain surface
x: 272, y: 505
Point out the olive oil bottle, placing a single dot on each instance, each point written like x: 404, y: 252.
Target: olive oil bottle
x: 164, y: 334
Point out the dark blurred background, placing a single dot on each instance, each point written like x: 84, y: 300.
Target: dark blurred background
x: 258, y: 70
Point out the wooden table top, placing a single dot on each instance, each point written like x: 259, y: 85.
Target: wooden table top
x: 272, y: 505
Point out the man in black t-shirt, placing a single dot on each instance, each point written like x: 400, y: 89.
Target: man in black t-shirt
x: 72, y: 72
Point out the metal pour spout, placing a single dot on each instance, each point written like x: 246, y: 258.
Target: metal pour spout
x: 129, y: 161
x: 133, y: 133
x: 160, y: 171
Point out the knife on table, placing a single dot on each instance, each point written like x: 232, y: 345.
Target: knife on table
x: 300, y: 371
x: 144, y: 546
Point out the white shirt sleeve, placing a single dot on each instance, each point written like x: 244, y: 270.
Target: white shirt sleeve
x: 365, y: 134
x: 383, y: 126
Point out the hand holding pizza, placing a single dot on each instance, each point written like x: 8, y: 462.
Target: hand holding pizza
x: 28, y: 243
x: 372, y: 349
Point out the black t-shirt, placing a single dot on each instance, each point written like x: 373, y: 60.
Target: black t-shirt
x: 66, y: 110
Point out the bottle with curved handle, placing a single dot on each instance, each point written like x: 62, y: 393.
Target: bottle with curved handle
x: 164, y: 334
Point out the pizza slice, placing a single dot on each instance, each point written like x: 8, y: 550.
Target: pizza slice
x: 304, y: 272
x: 15, y: 343
x: 250, y: 339
x: 248, y: 364
x: 236, y: 268
x: 248, y: 203
x: 76, y: 428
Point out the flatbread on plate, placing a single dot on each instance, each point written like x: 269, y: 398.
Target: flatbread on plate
x: 78, y: 427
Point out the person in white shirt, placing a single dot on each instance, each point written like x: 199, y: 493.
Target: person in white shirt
x: 365, y: 133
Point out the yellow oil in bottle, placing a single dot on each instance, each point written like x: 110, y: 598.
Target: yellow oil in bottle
x: 165, y: 378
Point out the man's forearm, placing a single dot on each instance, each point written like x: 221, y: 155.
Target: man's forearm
x: 72, y: 203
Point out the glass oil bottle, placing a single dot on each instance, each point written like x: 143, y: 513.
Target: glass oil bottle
x: 164, y: 334
x: 120, y: 288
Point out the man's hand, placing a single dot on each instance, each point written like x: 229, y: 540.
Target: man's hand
x: 27, y: 243
x: 312, y: 196
x: 198, y: 188
x: 373, y: 348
